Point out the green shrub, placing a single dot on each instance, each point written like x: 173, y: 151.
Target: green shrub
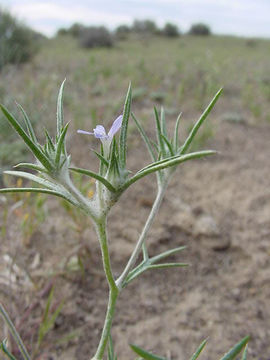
x: 76, y: 29
x: 144, y: 27
x: 200, y: 29
x: 62, y: 31
x: 122, y: 32
x: 95, y: 37
x: 17, y: 42
x: 170, y: 30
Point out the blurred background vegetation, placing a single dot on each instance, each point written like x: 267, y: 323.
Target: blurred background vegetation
x: 166, y: 67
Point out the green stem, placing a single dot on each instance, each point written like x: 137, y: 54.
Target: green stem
x: 141, y: 242
x: 107, y: 326
x: 14, y: 333
x: 101, y: 231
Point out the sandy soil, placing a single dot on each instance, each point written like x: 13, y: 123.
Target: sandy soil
x: 218, y: 207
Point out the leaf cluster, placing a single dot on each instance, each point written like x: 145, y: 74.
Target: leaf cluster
x: 230, y: 355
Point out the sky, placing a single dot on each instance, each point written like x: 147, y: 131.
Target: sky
x: 233, y: 17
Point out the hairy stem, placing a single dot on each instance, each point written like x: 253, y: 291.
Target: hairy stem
x: 101, y: 231
x: 107, y: 325
x: 141, y: 242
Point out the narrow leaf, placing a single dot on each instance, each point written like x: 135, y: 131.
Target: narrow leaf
x: 28, y: 124
x: 168, y: 144
x: 159, y: 133
x: 156, y: 147
x: 60, y: 145
x: 101, y: 158
x: 244, y: 356
x: 139, y: 269
x: 30, y: 166
x: 176, y: 134
x: 144, y: 266
x: 95, y: 176
x: 113, y: 162
x: 59, y: 114
x: 198, y: 351
x: 145, y: 138
x: 63, y: 195
x: 145, y: 354
x: 49, y: 141
x: 199, y: 123
x: 48, y: 184
x: 163, y: 122
x: 166, y: 163
x: 124, y: 128
x: 33, y: 147
x: 159, y: 162
x: 236, y: 349
x: 167, y: 253
x: 176, y: 157
x: 167, y: 265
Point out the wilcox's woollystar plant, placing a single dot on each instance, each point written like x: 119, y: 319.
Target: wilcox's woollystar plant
x: 53, y: 167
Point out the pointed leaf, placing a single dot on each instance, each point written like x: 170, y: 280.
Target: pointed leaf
x: 163, y: 122
x: 49, y: 141
x: 167, y: 265
x: 59, y: 115
x: 147, y: 265
x: 244, y: 356
x: 113, y: 162
x: 169, y: 145
x: 176, y: 135
x: 139, y: 269
x: 199, y: 350
x: 48, y: 184
x: 61, y: 194
x: 65, y: 161
x: 33, y: 147
x: 159, y: 133
x: 176, y: 158
x: 60, y: 145
x: 145, y: 354
x: 167, y: 253
x: 199, y: 123
x: 156, y: 148
x: 145, y: 137
x: 101, y: 158
x: 28, y: 124
x: 124, y: 128
x: 30, y: 166
x: 236, y: 349
x: 95, y: 176
x: 169, y: 162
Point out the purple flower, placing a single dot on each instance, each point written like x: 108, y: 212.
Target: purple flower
x: 100, y: 133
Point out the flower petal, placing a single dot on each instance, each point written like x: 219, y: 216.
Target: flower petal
x: 115, y: 126
x: 100, y: 132
x: 84, y: 132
